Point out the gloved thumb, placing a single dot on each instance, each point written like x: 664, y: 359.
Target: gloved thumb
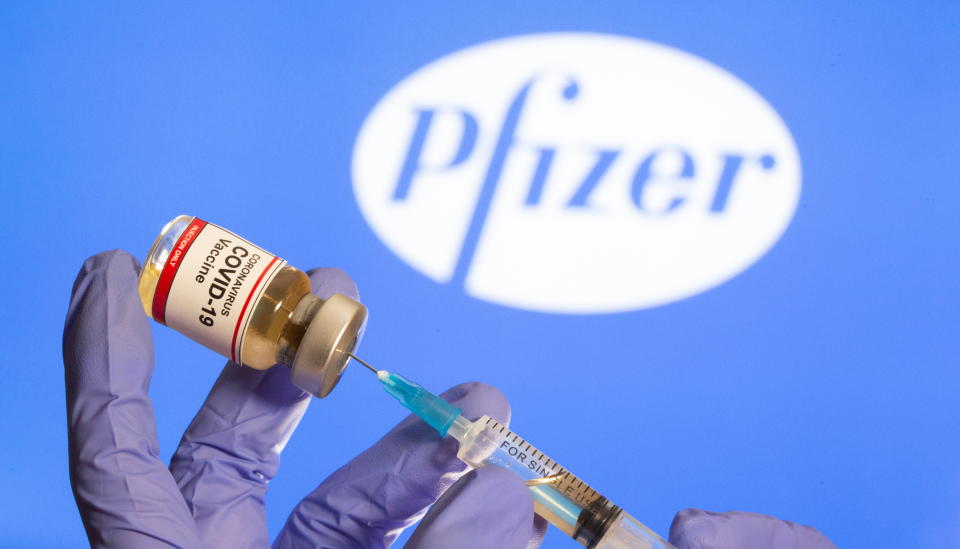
x: 696, y: 529
x: 488, y: 507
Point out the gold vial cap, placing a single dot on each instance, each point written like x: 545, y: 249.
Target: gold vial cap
x: 332, y: 335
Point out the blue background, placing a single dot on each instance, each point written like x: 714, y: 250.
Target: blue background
x: 821, y: 385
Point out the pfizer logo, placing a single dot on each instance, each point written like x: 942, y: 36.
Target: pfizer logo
x: 576, y: 173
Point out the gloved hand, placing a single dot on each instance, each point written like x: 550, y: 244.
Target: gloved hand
x: 212, y: 494
x: 696, y: 529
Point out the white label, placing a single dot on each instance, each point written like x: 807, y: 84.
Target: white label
x: 576, y: 173
x: 210, y: 285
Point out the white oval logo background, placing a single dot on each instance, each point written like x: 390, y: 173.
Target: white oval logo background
x: 576, y: 173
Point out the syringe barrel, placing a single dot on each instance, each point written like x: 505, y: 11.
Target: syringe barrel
x: 626, y: 532
x: 558, y: 496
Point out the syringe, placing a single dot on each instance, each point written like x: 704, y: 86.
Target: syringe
x: 558, y: 496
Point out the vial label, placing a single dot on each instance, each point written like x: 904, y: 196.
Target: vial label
x: 209, y: 285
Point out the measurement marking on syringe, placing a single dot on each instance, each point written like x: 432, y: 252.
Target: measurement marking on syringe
x: 549, y: 472
x: 574, y: 507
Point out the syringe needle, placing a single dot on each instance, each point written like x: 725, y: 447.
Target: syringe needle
x: 358, y: 359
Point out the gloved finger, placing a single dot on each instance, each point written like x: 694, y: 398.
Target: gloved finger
x: 369, y: 501
x: 329, y: 280
x: 125, y: 494
x: 488, y: 507
x: 231, y: 449
x: 696, y: 529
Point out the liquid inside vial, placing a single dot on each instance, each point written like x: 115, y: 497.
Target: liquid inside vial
x: 278, y: 298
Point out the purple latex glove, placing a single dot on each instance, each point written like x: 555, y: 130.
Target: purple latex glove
x: 695, y: 529
x: 489, y: 507
x: 369, y: 501
x: 212, y: 494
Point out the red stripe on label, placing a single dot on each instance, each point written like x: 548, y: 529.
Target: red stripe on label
x: 253, y: 290
x: 170, y: 268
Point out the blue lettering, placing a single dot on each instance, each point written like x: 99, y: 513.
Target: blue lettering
x: 544, y: 161
x: 505, y: 140
x: 604, y: 160
x: 645, y: 173
x: 654, y: 168
x: 731, y: 166
x: 412, y: 164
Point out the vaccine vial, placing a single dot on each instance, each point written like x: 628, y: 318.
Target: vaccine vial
x: 248, y: 304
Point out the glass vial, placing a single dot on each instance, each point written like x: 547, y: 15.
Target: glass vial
x: 247, y: 304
